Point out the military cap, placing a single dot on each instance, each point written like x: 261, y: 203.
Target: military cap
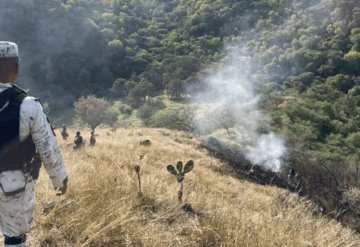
x: 8, y: 50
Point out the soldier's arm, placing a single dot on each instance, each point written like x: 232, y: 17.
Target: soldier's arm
x: 46, y: 144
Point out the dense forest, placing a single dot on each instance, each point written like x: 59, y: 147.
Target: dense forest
x: 304, y: 56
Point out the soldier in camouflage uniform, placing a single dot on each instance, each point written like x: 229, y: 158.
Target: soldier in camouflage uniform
x: 92, y: 138
x: 26, y: 137
x: 64, y: 133
x: 78, y: 141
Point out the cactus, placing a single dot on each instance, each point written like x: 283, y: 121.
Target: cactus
x: 189, y: 166
x: 179, y: 172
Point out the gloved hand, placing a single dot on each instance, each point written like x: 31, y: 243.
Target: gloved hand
x: 63, y: 189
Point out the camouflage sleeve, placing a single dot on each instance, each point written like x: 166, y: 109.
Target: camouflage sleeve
x: 46, y: 143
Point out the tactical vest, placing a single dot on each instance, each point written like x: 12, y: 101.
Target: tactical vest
x: 14, y: 155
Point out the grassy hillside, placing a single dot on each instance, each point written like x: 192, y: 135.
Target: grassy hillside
x: 102, y: 208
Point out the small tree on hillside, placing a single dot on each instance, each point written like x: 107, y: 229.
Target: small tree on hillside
x: 224, y: 118
x: 93, y: 111
x: 174, y: 117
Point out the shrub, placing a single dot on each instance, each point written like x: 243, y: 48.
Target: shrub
x: 146, y: 111
x: 173, y: 117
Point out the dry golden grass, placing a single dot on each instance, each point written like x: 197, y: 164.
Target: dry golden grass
x: 101, y: 207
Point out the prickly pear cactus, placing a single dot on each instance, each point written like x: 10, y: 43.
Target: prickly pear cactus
x: 172, y: 170
x: 179, y: 172
x: 189, y: 166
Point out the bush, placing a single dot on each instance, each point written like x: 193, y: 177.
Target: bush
x: 173, y: 117
x: 354, y: 139
x: 146, y: 111
x: 125, y: 109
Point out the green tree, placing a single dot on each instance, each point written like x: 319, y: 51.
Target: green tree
x: 174, y: 117
x: 93, y: 111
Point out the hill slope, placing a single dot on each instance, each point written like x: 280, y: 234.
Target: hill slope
x: 101, y: 207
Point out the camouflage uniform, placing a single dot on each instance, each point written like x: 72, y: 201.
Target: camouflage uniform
x: 78, y: 140
x: 92, y: 139
x: 17, y: 194
x: 64, y: 133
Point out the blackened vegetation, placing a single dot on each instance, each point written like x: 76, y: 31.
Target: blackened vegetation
x: 233, y: 153
x: 323, y: 182
x: 330, y: 185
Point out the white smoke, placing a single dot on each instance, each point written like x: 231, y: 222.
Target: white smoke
x: 230, y: 101
x: 267, y: 152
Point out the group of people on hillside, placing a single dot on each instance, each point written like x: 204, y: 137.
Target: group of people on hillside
x: 78, y: 141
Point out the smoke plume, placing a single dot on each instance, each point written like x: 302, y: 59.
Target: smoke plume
x: 230, y: 101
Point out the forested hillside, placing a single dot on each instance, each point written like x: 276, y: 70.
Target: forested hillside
x: 304, y: 58
x: 121, y: 48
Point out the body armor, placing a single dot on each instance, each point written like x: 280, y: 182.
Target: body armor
x: 14, y: 155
